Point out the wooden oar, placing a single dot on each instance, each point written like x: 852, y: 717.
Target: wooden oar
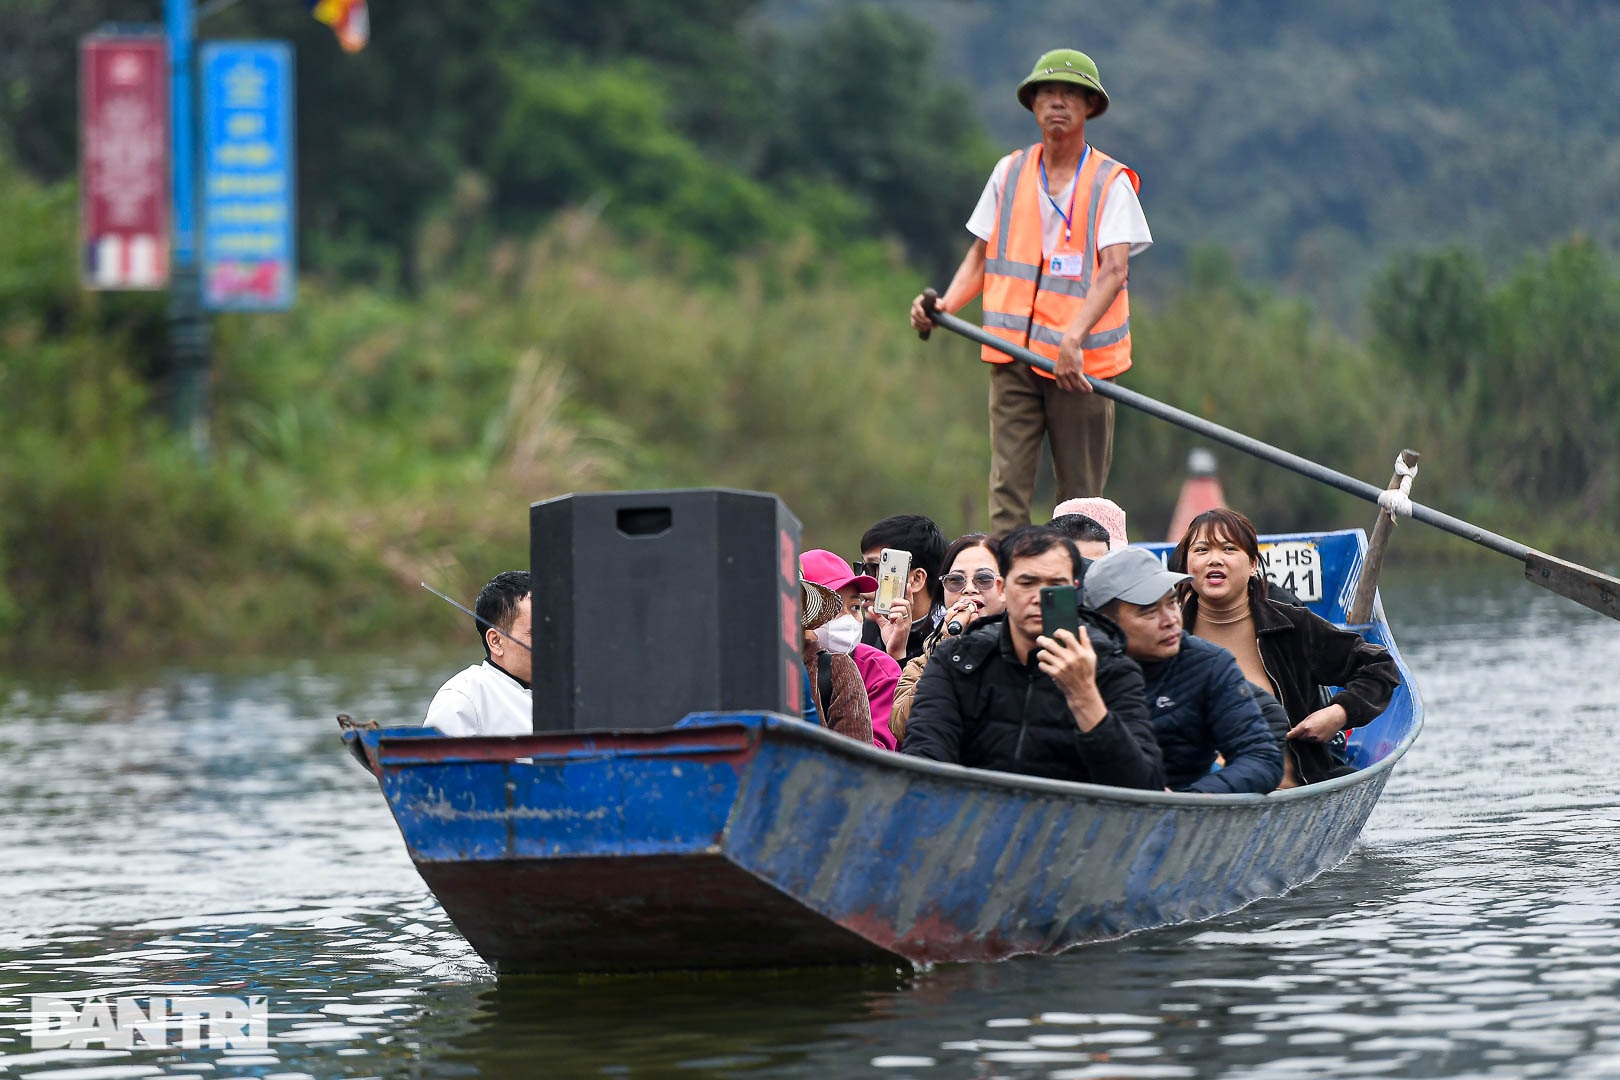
x: 1596, y: 590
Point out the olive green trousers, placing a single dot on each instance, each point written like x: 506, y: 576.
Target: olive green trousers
x: 1024, y: 407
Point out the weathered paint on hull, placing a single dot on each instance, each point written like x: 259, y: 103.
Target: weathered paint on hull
x: 762, y: 841
x: 947, y: 867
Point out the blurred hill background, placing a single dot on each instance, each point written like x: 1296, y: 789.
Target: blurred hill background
x: 1316, y: 140
x: 549, y: 246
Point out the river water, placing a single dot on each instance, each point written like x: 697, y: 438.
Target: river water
x: 202, y: 830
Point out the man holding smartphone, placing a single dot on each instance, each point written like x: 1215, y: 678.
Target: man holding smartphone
x: 1201, y: 703
x: 903, y: 631
x: 1007, y: 696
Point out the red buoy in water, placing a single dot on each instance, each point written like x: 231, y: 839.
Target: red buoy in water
x: 1201, y: 491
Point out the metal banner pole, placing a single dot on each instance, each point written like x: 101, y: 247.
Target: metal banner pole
x: 188, y: 325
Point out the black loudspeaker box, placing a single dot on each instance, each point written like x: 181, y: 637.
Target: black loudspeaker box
x: 649, y: 605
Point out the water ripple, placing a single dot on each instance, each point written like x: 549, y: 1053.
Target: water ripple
x: 202, y: 830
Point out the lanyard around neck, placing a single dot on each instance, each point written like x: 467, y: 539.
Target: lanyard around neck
x: 1068, y: 219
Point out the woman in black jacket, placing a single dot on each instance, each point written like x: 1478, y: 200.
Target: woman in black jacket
x: 1282, y: 648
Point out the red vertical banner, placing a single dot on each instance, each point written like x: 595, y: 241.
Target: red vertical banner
x: 124, y: 168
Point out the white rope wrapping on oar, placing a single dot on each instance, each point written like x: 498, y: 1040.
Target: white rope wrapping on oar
x: 1397, y: 501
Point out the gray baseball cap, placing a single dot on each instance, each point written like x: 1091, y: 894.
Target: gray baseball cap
x: 1134, y: 575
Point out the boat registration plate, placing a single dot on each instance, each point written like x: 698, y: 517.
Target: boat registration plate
x: 1296, y: 566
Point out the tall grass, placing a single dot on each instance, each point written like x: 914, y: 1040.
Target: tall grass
x: 363, y: 442
x: 1261, y: 364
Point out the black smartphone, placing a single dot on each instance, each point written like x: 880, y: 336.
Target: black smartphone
x: 1060, y: 610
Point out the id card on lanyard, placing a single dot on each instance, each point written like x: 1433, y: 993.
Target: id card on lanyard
x: 1069, y: 264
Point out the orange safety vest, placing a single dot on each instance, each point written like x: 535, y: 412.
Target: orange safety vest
x: 1025, y: 302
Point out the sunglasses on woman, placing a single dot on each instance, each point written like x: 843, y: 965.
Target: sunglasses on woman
x: 956, y: 581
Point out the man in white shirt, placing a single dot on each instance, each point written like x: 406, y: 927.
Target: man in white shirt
x: 493, y: 698
x: 1052, y: 262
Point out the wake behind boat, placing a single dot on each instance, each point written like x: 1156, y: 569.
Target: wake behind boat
x: 753, y: 839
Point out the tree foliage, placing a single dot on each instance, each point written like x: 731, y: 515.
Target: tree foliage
x: 692, y: 122
x: 1317, y: 140
x: 864, y: 109
x: 646, y: 244
x: 1520, y: 378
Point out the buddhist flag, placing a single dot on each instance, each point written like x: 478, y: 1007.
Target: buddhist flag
x: 348, y: 19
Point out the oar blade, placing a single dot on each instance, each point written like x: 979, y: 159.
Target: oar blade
x: 1586, y: 586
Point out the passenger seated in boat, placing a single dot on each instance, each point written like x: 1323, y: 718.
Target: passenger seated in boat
x: 972, y: 582
x: 493, y: 698
x: 834, y: 682
x: 1089, y: 537
x: 903, y: 632
x: 1005, y: 696
x: 1199, y: 700
x: 1284, y: 648
x: 879, y: 671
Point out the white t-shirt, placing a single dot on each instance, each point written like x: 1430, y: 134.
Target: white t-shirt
x: 482, y: 700
x: 1122, y: 220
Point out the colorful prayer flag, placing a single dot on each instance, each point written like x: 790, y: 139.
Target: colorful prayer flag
x: 348, y: 19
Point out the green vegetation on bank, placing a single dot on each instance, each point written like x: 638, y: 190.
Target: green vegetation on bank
x: 697, y: 124
x: 547, y: 251
x: 366, y: 441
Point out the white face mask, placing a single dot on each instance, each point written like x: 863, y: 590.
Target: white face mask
x: 841, y: 635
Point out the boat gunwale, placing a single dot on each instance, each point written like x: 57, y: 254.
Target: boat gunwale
x: 1091, y: 792
x: 842, y: 744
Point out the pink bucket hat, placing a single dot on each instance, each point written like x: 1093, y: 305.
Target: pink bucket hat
x: 1105, y: 512
x: 825, y: 568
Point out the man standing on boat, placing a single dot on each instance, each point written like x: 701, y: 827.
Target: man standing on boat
x: 493, y: 698
x: 1054, y: 232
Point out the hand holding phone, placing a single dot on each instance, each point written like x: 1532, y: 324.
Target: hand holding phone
x: 1060, y: 610
x: 1072, y: 666
x: 894, y: 566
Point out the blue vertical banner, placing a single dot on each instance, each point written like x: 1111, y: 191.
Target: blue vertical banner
x: 249, y: 197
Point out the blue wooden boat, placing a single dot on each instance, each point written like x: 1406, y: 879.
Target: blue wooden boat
x: 760, y: 841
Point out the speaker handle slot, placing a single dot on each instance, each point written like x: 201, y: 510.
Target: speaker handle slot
x: 644, y: 521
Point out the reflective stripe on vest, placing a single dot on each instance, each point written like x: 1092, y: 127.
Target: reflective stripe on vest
x: 1024, y: 304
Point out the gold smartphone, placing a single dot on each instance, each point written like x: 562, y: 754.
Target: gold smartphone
x: 893, y: 567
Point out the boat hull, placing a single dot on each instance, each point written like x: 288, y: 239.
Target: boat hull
x: 633, y: 913
x: 763, y: 842
x: 755, y: 840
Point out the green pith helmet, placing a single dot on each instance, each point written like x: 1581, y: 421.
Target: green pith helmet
x: 1063, y: 65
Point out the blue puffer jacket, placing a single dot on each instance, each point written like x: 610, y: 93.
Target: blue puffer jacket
x: 1201, y: 704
